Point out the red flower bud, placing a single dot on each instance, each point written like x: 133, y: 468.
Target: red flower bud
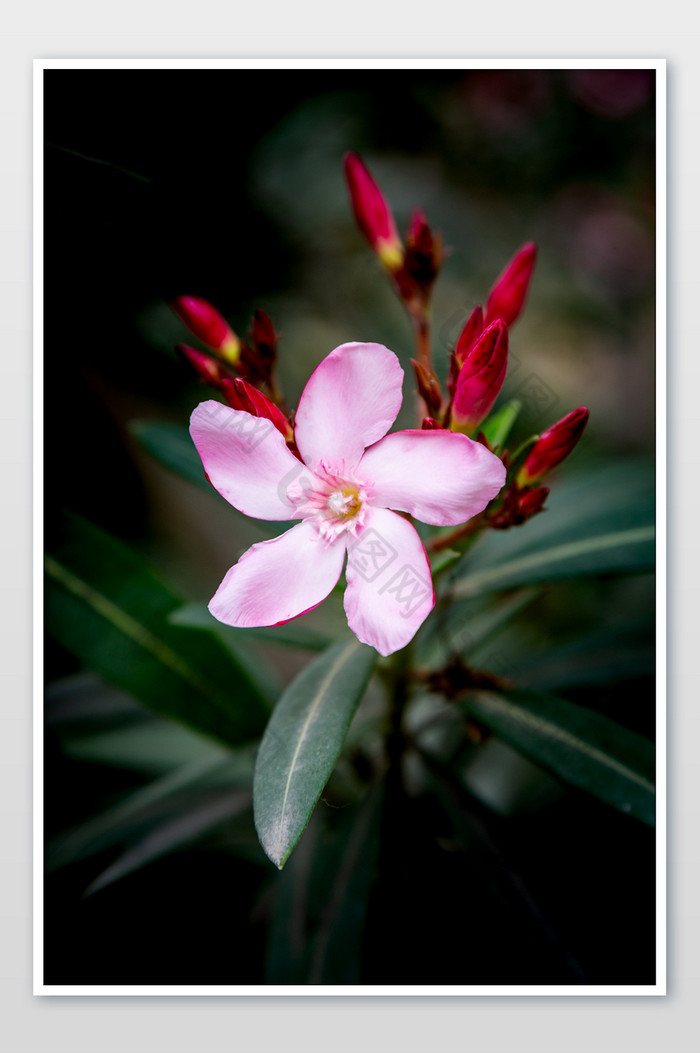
x: 553, y: 446
x: 372, y: 213
x: 430, y: 424
x: 470, y: 334
x: 467, y: 338
x: 518, y: 506
x: 264, y: 351
x: 532, y: 502
x: 241, y: 395
x: 507, y: 297
x: 424, y: 253
x: 208, y: 326
x: 428, y: 386
x: 480, y: 378
x: 206, y: 367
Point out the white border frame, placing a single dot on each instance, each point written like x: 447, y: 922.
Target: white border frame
x: 40, y: 988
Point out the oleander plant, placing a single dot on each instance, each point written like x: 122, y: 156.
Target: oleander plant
x: 410, y: 696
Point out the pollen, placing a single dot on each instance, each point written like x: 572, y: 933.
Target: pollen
x: 345, y: 503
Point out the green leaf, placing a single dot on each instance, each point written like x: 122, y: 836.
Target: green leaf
x: 105, y: 606
x: 189, y: 826
x: 302, y: 742
x: 171, y: 445
x: 293, y: 634
x: 607, y: 656
x: 600, y: 523
x: 580, y: 746
x: 317, y: 927
x: 497, y: 428
x: 153, y: 747
x: 337, y: 948
x: 138, y: 809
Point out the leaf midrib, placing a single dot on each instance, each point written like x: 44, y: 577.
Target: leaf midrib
x: 635, y: 535
x: 132, y: 629
x: 322, y: 689
x: 538, y: 722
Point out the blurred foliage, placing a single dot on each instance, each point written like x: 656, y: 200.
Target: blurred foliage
x: 511, y: 849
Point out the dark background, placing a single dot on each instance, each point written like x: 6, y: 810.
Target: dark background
x: 229, y: 185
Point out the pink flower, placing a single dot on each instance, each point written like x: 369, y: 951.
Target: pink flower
x: 350, y: 476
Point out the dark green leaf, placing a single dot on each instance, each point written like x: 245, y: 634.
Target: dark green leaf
x: 579, y: 745
x: 317, y: 928
x: 189, y: 826
x: 600, y: 523
x: 110, y: 610
x: 137, y: 810
x: 337, y: 948
x: 171, y: 445
x: 302, y: 742
x: 153, y: 747
x: 292, y: 634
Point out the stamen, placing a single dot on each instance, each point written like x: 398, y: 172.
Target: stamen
x: 345, y: 503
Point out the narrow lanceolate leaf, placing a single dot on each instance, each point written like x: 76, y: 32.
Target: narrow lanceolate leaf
x: 170, y: 444
x: 193, y: 823
x: 290, y: 634
x: 105, y: 606
x: 623, y: 550
x: 600, y: 523
x: 580, y: 746
x: 302, y: 742
x: 337, y: 949
x: 140, y: 810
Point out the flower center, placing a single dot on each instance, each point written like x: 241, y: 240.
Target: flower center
x: 345, y: 503
x: 334, y: 502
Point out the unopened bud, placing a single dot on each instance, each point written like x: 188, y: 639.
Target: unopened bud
x: 507, y: 297
x: 428, y: 386
x: 553, y: 446
x: 208, y: 326
x: 471, y: 332
x: 532, y: 502
x: 424, y: 254
x: 264, y: 340
x: 372, y: 213
x: 241, y: 395
x: 430, y: 424
x: 206, y: 367
x: 480, y: 379
x: 518, y: 506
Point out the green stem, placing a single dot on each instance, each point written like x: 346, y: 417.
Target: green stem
x: 467, y: 530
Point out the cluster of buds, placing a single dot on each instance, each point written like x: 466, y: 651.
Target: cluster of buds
x: 479, y: 360
x: 253, y: 360
x: 525, y: 497
x: 235, y: 367
x: 412, y: 265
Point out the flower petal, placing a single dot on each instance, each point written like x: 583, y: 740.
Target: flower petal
x: 350, y: 400
x: 390, y: 590
x: 440, y: 477
x: 279, y: 579
x: 247, y: 460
